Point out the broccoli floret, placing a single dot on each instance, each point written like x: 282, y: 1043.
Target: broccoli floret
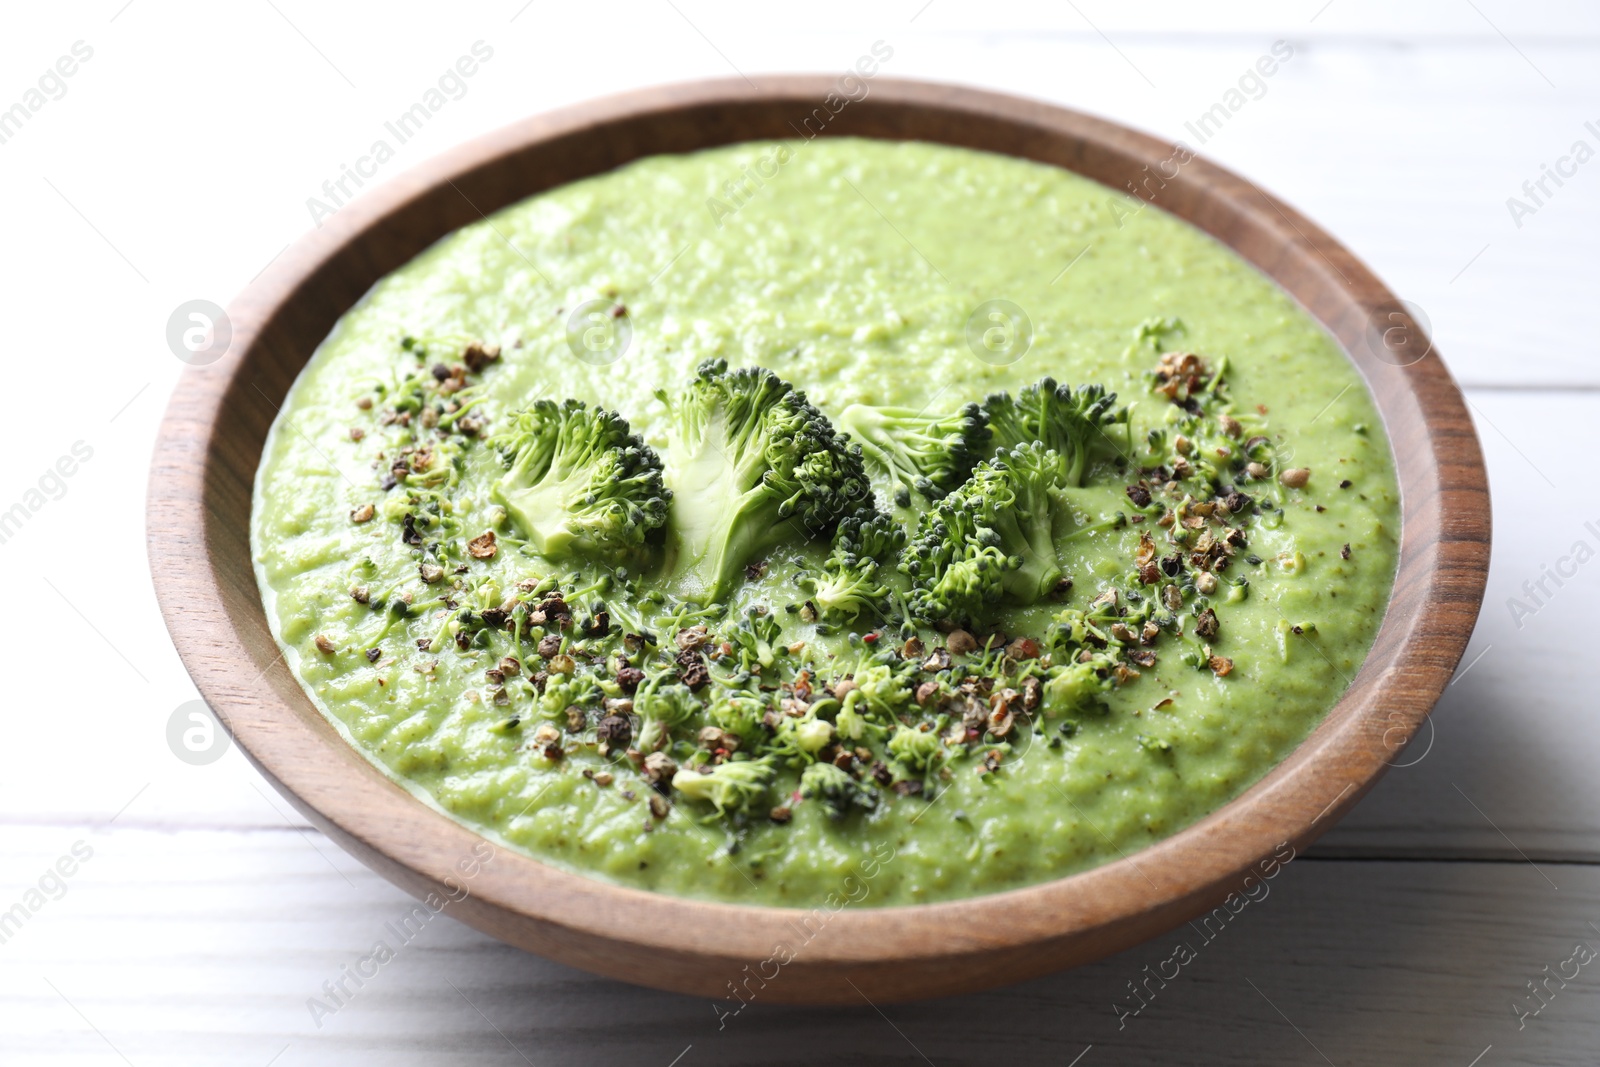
x: 879, y: 692
x: 853, y: 578
x: 739, y: 712
x: 992, y: 539
x: 929, y: 453
x: 564, y: 691
x: 732, y: 788
x: 813, y: 735
x: 662, y: 705
x: 838, y: 791
x: 1077, y: 687
x: 796, y: 742
x: 957, y: 574
x: 1076, y: 425
x: 753, y: 462
x: 752, y: 638
x: 579, y: 482
x: 916, y: 752
x: 1019, y: 495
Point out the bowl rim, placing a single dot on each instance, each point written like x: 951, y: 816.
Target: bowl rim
x: 600, y: 926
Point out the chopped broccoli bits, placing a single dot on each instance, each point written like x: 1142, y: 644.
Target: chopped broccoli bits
x: 712, y: 719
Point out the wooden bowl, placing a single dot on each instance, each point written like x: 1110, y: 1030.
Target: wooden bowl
x: 211, y: 441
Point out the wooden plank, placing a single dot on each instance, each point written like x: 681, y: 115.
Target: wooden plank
x: 203, y: 947
x: 1541, y: 22
x: 1511, y: 769
x: 1403, y: 131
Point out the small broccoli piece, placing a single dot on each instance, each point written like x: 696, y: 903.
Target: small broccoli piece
x: 885, y: 690
x: 929, y: 453
x: 753, y: 462
x: 738, y: 712
x: 1077, y: 687
x: 1077, y: 425
x: 732, y: 788
x: 853, y: 579
x: 662, y: 705
x: 878, y: 693
x: 852, y: 725
x: 796, y: 742
x: 1155, y: 331
x: 838, y: 791
x: 563, y: 691
x: 813, y: 735
x: 1154, y: 745
x: 578, y: 482
x: 992, y: 539
x: 917, y: 753
x: 752, y: 638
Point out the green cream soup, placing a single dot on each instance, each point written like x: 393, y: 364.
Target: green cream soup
x: 1221, y: 570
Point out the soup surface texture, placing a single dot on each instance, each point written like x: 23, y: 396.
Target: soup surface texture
x: 1220, y: 571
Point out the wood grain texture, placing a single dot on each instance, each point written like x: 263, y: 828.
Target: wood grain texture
x: 1404, y: 963
x: 210, y: 443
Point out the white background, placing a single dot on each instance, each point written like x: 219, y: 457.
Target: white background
x: 177, y: 165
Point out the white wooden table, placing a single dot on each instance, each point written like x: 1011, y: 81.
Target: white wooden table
x: 175, y: 162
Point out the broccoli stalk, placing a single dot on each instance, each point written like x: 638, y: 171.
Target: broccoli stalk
x: 853, y: 580
x: 749, y: 454
x: 578, y: 482
x: 1075, y: 425
x: 930, y: 453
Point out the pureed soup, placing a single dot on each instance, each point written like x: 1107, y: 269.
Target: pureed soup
x: 731, y: 540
